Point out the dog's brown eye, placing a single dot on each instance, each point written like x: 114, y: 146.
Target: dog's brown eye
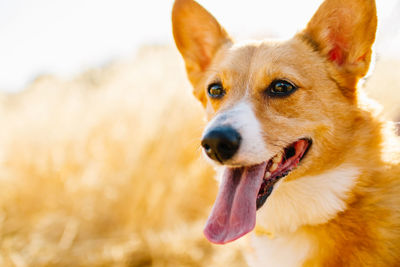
x: 215, y: 90
x: 280, y: 88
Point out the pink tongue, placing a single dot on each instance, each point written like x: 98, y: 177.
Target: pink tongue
x: 234, y: 211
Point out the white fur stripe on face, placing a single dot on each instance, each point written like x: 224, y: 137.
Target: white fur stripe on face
x: 241, y: 117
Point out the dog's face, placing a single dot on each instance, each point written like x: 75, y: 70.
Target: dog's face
x: 277, y: 110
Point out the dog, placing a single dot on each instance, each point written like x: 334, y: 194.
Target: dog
x: 308, y: 167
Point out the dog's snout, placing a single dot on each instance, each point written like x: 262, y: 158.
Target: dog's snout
x: 221, y: 143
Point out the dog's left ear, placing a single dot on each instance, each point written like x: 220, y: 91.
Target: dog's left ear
x: 343, y: 31
x: 198, y: 37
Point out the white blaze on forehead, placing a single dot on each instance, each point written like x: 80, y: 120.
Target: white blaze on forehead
x: 241, y: 117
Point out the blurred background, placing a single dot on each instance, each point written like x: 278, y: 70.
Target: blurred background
x: 100, y: 162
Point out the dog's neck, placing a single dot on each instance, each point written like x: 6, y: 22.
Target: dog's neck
x: 309, y: 200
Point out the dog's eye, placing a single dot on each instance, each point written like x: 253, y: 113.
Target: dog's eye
x: 215, y: 90
x: 280, y: 88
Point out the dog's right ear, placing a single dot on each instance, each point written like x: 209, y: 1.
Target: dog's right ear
x: 198, y: 37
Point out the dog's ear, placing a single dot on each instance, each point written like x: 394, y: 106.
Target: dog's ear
x: 198, y: 37
x: 344, y: 32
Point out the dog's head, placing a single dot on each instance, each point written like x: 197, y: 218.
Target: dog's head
x: 269, y: 103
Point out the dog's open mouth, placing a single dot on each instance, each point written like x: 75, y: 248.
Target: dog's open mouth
x: 245, y: 189
x: 280, y: 166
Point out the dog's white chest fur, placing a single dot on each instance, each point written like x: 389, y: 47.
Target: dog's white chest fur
x: 285, y: 250
x: 309, y: 200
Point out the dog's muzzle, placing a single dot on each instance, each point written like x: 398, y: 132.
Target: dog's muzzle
x: 221, y: 143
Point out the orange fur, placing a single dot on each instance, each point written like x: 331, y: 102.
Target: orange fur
x: 325, y: 61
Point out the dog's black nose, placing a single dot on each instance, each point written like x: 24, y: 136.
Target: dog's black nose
x: 221, y: 143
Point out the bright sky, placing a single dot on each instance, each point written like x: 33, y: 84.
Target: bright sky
x: 65, y: 37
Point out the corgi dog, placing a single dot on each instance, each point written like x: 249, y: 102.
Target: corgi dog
x: 307, y: 166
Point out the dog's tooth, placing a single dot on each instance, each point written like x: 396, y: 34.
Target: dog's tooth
x: 267, y: 175
x: 277, y: 158
x: 274, y: 167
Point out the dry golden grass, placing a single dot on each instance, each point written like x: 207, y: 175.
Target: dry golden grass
x: 105, y: 169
